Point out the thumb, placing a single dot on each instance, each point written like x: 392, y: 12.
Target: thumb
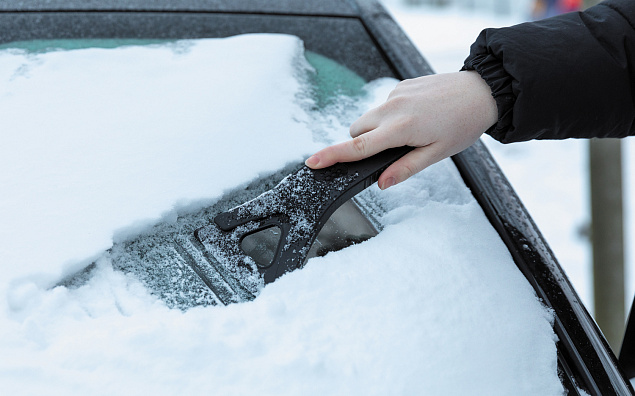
x: 408, y: 165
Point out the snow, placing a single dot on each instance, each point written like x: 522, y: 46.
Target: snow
x: 128, y: 145
x: 97, y: 141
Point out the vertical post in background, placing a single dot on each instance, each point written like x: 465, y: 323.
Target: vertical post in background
x: 607, y: 235
x: 605, y: 162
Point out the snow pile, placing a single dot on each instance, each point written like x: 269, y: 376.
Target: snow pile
x: 100, y: 139
x: 95, y: 139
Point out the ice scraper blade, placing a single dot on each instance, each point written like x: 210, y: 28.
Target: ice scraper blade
x: 292, y: 213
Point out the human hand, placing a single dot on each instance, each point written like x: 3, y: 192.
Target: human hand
x: 440, y: 115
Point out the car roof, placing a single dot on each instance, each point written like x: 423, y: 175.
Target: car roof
x: 300, y: 7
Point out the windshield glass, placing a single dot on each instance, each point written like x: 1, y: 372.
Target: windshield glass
x: 114, y: 153
x: 327, y: 84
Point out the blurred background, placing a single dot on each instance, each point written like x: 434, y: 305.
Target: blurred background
x: 553, y: 178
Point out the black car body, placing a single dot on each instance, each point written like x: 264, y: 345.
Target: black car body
x: 362, y: 36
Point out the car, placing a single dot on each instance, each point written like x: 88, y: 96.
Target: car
x: 361, y: 36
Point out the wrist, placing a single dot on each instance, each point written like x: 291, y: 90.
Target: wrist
x: 481, y: 95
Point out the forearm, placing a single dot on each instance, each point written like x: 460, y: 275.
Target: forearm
x: 568, y: 76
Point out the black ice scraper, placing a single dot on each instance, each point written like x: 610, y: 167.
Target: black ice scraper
x: 287, y: 219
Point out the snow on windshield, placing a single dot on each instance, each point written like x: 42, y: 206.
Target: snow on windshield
x: 100, y: 143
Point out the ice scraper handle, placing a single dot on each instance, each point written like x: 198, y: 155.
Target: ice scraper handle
x: 313, y: 190
x: 367, y: 170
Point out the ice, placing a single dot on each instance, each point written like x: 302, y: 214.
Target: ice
x: 101, y: 143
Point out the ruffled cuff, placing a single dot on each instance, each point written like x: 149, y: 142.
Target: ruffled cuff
x: 492, y: 71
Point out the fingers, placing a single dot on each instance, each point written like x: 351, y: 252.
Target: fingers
x: 363, y: 145
x: 358, y: 148
x: 408, y: 165
x: 366, y: 123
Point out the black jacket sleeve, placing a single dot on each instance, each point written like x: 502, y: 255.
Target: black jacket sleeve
x: 568, y: 76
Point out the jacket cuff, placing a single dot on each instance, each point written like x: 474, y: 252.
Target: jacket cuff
x: 492, y: 71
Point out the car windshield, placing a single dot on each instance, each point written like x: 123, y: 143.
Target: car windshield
x: 116, y: 151
x: 327, y: 83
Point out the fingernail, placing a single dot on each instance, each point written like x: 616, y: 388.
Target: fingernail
x: 389, y: 183
x: 312, y: 161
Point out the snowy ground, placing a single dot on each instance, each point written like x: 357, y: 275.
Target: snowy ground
x: 100, y: 143
x: 550, y: 177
